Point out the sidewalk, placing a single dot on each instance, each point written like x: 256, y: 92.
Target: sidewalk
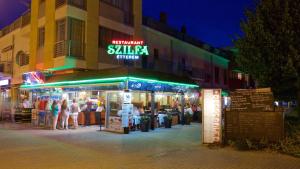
x: 175, y: 148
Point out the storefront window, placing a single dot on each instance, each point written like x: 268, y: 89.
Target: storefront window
x: 114, y: 111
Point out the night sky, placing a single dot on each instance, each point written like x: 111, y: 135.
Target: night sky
x: 212, y: 21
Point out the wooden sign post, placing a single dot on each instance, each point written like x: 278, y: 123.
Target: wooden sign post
x: 212, y: 116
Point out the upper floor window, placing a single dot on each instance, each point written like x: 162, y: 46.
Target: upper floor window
x: 70, y: 37
x: 106, y: 36
x: 217, y: 77
x: 156, y: 54
x: 183, y: 62
x: 42, y: 8
x: 126, y: 6
x: 225, y: 77
x: 61, y: 30
x: 77, y: 3
x: 115, y: 3
x: 22, y: 58
x: 41, y: 37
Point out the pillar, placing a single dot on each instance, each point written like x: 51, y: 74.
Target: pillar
x: 50, y: 32
x: 182, y: 108
x: 33, y: 34
x: 92, y: 31
x: 138, y: 16
x: 152, y: 110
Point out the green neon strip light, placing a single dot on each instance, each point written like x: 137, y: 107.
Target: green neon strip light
x: 224, y: 93
x: 77, y: 82
x: 106, y: 80
x: 164, y: 82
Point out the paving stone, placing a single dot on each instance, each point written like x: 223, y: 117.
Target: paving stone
x: 87, y: 148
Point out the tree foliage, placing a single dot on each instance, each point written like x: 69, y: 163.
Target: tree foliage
x: 269, y: 48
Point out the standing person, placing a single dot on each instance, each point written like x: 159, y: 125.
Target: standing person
x: 48, y: 112
x: 26, y: 103
x: 87, y: 112
x: 64, y: 114
x: 37, y: 103
x: 74, y: 113
x: 42, y: 112
x: 54, y: 111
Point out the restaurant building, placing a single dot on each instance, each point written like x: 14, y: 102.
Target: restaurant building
x: 92, y: 48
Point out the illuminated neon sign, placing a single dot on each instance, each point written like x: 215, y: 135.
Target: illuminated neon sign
x: 4, y: 82
x: 33, y: 78
x: 127, y: 50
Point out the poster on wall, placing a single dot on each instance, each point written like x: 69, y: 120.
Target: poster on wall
x: 115, y: 124
x: 127, y: 98
x: 126, y: 111
x: 212, y: 113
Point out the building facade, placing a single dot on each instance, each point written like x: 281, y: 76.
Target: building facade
x: 64, y: 35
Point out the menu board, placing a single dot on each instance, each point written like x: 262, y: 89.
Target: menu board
x: 252, y: 116
x: 212, y: 116
x: 126, y: 110
x: 254, y: 125
x: 252, y: 100
x: 115, y: 124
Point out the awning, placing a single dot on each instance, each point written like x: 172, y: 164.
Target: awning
x: 89, y: 77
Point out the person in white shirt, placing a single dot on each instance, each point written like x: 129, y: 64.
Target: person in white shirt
x: 74, y: 113
x: 26, y: 103
x: 48, y: 113
x: 64, y: 115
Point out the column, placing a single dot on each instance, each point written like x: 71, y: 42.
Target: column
x: 33, y: 34
x: 137, y: 14
x: 182, y: 108
x: 50, y: 32
x: 92, y: 31
x: 152, y: 110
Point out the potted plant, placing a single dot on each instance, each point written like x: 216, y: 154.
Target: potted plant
x: 126, y: 130
x: 187, y: 118
x: 145, y: 122
x: 168, y: 121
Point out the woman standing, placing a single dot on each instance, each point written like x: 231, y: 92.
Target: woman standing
x: 64, y: 114
x: 54, y: 111
x: 48, y: 113
x: 74, y: 113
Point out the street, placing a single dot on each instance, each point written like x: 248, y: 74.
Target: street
x: 178, y: 147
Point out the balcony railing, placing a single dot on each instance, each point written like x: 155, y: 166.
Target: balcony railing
x: 26, y: 18
x: 70, y: 48
x: 76, y: 3
x: 20, y: 22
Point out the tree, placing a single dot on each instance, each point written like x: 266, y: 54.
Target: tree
x: 269, y: 47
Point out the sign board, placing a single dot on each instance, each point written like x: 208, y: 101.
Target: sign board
x: 30, y: 78
x: 252, y: 100
x: 126, y: 111
x: 212, y: 113
x: 4, y: 82
x: 252, y: 116
x: 127, y: 50
x: 127, y: 98
x: 115, y: 124
x: 254, y: 125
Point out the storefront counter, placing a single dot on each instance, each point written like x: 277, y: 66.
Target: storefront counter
x: 94, y: 118
x: 23, y: 115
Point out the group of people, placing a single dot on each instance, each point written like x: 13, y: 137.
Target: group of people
x: 52, y: 110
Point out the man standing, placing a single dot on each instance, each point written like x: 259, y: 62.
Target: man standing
x: 87, y: 112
